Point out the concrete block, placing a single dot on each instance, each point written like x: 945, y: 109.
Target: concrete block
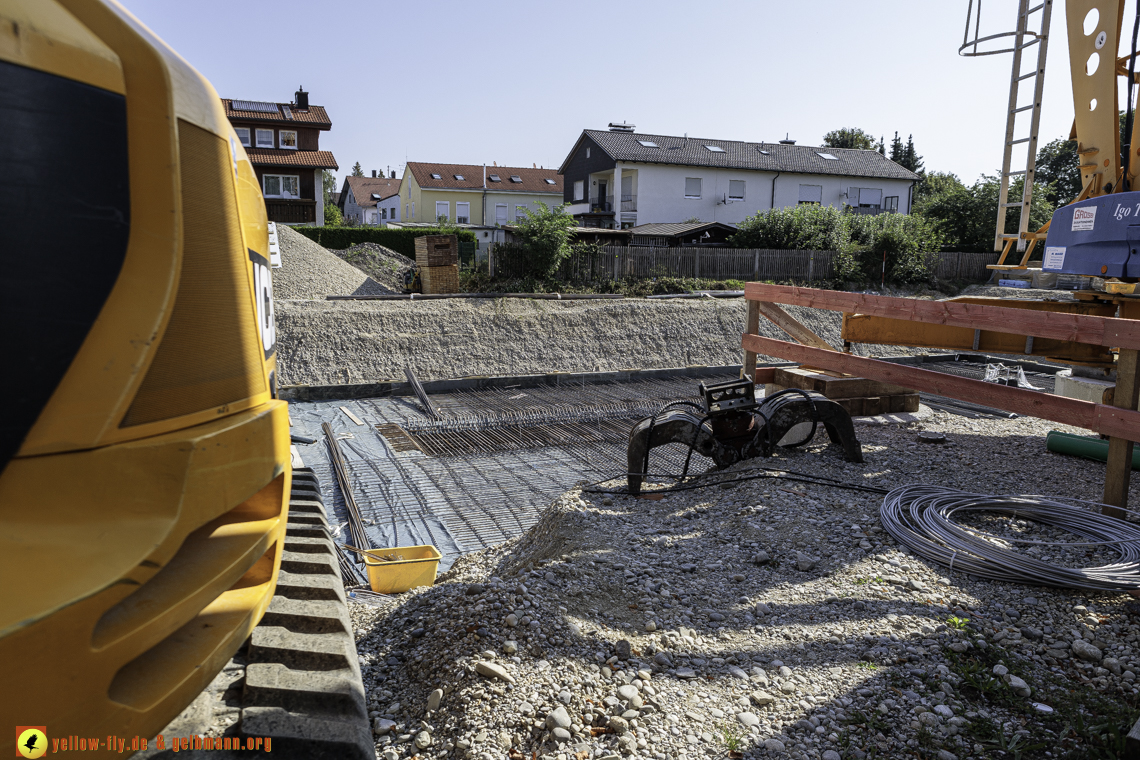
x: 1085, y: 388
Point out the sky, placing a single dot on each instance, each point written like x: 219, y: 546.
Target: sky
x: 516, y: 82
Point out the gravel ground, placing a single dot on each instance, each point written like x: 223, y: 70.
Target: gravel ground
x: 771, y: 618
x: 339, y: 342
x: 381, y: 264
x: 308, y: 271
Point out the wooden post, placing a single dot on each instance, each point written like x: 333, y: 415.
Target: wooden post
x: 756, y: 266
x: 696, y: 262
x: 751, y: 327
x: 617, y: 262
x: 1119, y: 472
x: 491, y: 261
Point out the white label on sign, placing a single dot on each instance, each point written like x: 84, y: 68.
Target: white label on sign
x: 1084, y: 218
x: 1054, y: 258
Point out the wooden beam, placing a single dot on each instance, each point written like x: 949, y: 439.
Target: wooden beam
x: 1120, y: 450
x: 790, y: 325
x: 1107, y: 420
x: 1077, y: 328
x: 751, y: 326
x: 764, y: 375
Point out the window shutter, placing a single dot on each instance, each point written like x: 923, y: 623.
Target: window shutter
x: 692, y: 187
x: 736, y: 188
x: 869, y: 196
x: 811, y: 194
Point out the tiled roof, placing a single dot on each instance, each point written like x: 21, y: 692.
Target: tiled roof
x: 533, y: 180
x: 304, y: 159
x: 364, y: 187
x: 679, y: 228
x: 734, y: 154
x: 315, y: 116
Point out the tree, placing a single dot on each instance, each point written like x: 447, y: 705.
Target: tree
x: 896, y: 149
x: 849, y: 137
x: 333, y: 217
x: 356, y: 170
x: 328, y: 181
x: 910, y: 158
x: 935, y: 184
x: 966, y: 215
x: 882, y: 147
x: 1058, y: 169
x: 545, y: 235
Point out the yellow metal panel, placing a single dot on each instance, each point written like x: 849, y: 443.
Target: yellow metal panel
x: 41, y: 35
x: 135, y: 571
x: 1098, y: 132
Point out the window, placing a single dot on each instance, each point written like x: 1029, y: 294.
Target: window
x: 458, y: 177
x: 436, y: 176
x: 736, y: 189
x: 463, y: 213
x: 383, y: 213
x: 692, y: 187
x: 648, y: 144
x: 828, y: 156
x: 580, y: 190
x: 516, y: 178
x: 281, y: 186
x: 870, y: 197
x: 763, y: 152
x: 265, y: 138
x: 550, y: 181
x: 413, y: 210
x: 891, y: 203
x: 443, y: 208
x: 243, y: 135
x: 520, y: 212
x: 287, y: 138
x: 811, y: 194
x: 500, y: 213
x: 715, y: 148
x: 405, y: 211
x: 494, y: 178
x: 587, y: 152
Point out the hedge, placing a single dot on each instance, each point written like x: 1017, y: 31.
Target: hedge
x: 399, y: 240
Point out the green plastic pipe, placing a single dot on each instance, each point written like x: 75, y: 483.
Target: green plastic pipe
x: 1089, y: 447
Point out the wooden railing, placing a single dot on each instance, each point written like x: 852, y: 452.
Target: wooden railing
x: 291, y: 212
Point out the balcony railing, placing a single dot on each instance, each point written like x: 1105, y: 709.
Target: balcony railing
x: 291, y: 211
x: 599, y: 205
x: 629, y: 203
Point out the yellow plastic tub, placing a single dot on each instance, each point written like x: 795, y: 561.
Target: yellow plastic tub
x: 394, y: 571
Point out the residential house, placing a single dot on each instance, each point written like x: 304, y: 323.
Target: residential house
x: 686, y: 234
x: 473, y: 194
x: 282, y: 142
x: 664, y: 178
x: 371, y: 200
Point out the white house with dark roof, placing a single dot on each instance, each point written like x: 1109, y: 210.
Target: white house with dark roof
x: 371, y: 200
x: 665, y: 179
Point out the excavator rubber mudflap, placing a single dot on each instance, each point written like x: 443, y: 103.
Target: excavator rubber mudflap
x: 674, y: 426
x: 788, y: 409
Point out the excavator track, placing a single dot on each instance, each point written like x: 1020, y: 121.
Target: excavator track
x: 297, y: 679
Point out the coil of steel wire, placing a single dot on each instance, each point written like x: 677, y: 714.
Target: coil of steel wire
x: 922, y: 518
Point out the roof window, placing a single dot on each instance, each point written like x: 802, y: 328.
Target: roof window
x: 715, y: 148
x: 458, y: 177
x: 648, y: 144
x: 494, y: 178
x: 375, y: 196
x: 763, y: 152
x: 516, y: 178
x: 550, y: 181
x: 828, y: 156
x: 436, y: 176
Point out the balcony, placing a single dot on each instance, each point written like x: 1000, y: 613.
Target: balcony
x: 291, y: 211
x: 629, y: 203
x: 600, y: 205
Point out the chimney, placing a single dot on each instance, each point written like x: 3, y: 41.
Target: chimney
x: 786, y: 141
x: 302, y: 99
x: 622, y: 127
x: 393, y: 174
x: 373, y: 174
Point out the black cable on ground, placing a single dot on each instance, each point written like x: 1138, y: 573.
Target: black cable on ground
x: 921, y: 517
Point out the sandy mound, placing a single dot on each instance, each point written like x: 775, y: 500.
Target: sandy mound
x: 310, y: 272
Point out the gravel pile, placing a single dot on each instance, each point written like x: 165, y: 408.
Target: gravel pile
x: 383, y: 265
x: 308, y: 271
x: 767, y: 619
x: 339, y: 342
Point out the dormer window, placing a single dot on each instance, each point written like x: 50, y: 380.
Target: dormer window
x: 494, y: 178
x: 265, y: 138
x: 516, y: 178
x: 648, y: 144
x: 828, y: 156
x: 436, y: 176
x: 243, y: 135
x: 458, y: 177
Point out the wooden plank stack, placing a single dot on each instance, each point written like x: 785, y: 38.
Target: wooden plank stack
x: 858, y: 395
x: 438, y: 259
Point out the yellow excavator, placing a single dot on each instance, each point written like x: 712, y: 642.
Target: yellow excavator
x: 144, y: 458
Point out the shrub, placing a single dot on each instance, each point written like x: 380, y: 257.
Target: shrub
x: 544, y: 234
x: 399, y: 240
x: 802, y: 228
x: 333, y: 217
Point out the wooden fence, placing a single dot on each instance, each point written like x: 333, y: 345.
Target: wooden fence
x: 749, y: 264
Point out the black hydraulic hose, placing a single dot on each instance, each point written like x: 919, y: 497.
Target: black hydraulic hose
x: 1126, y: 149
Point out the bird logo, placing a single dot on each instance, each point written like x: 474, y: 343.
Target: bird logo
x: 31, y: 741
